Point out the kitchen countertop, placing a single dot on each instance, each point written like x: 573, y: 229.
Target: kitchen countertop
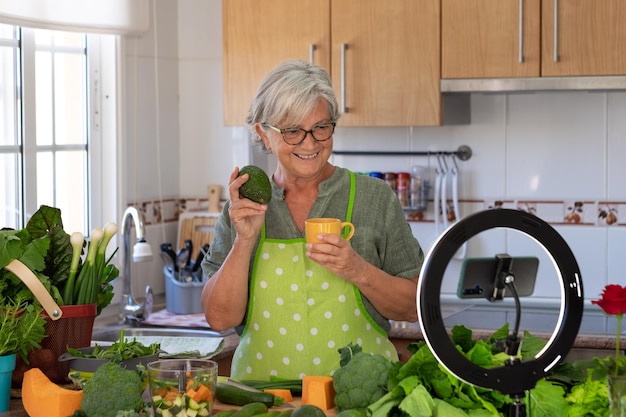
x: 400, y: 331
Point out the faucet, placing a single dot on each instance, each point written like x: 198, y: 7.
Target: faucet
x: 130, y: 310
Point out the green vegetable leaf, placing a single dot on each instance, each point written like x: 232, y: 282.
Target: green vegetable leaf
x: 442, y: 408
x: 589, y: 399
x: 531, y: 345
x: 44, y: 220
x: 347, y: 352
x: 548, y: 400
x: 59, y: 256
x: 10, y: 247
x: 480, y: 354
x: 418, y: 403
x: 462, y: 336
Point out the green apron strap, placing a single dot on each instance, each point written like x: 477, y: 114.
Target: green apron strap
x: 352, y: 194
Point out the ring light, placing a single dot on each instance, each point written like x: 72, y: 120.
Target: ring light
x: 520, y: 376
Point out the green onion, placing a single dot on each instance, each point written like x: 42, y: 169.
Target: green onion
x: 76, y: 240
x: 88, y: 273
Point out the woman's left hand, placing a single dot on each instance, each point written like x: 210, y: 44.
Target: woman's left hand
x: 336, y: 254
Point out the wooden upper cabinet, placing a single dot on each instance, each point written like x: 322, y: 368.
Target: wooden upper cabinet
x: 590, y: 37
x: 260, y: 34
x: 483, y: 38
x: 387, y: 72
x: 490, y: 38
x: 390, y: 71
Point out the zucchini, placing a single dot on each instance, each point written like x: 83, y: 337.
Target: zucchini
x: 250, y: 409
x: 272, y: 413
x: 230, y: 394
x: 225, y: 413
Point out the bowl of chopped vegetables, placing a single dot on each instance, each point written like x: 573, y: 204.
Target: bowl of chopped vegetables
x: 182, y: 387
x: 128, y: 353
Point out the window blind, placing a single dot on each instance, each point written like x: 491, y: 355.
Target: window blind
x: 121, y: 17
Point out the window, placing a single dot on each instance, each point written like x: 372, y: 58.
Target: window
x: 51, y: 142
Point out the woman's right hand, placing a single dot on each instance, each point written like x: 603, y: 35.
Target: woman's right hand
x: 246, y: 216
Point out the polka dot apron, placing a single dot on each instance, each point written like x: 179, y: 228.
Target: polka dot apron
x: 300, y: 314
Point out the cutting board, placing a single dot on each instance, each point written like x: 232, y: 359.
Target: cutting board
x: 219, y: 406
x: 199, y: 225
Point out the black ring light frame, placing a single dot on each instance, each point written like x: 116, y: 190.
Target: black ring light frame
x: 514, y: 378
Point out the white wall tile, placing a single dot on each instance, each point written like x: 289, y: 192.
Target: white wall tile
x: 615, y: 255
x: 616, y: 132
x: 590, y: 248
x: 555, y: 145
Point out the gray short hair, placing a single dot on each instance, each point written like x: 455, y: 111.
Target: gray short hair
x: 288, y: 93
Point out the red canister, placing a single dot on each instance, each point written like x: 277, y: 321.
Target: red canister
x: 403, y: 184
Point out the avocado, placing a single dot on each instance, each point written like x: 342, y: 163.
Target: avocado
x: 258, y: 187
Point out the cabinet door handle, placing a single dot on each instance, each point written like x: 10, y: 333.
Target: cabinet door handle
x: 521, y: 32
x: 556, y: 31
x: 343, y: 108
x: 311, y: 50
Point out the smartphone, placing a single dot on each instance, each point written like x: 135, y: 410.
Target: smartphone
x: 478, y: 277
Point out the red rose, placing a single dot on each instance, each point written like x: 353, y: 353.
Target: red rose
x: 613, y: 299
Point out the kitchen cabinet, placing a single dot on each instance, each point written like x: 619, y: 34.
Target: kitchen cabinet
x: 590, y: 37
x: 383, y: 57
x: 533, y: 38
x: 258, y: 35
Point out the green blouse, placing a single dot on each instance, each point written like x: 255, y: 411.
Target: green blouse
x: 382, y: 235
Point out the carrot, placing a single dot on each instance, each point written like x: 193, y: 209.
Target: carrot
x: 190, y: 384
x: 192, y: 393
x: 319, y: 391
x: 172, y: 394
x: 202, y: 394
x: 161, y: 392
x: 279, y: 392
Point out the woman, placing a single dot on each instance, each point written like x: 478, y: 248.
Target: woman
x: 299, y: 303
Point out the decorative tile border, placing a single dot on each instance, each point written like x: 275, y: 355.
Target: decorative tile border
x: 169, y: 210
x: 558, y: 212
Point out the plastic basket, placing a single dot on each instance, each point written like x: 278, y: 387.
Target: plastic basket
x: 65, y: 326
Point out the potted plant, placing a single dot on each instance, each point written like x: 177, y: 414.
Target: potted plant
x: 80, y: 283
x: 21, y: 329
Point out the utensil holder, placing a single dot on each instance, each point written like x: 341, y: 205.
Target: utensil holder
x: 182, y: 297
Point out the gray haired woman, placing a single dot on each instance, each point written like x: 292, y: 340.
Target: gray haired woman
x: 295, y: 303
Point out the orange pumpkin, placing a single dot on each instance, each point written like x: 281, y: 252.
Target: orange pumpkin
x: 43, y: 398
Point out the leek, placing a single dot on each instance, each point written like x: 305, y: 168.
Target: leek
x: 85, y: 282
x: 76, y: 240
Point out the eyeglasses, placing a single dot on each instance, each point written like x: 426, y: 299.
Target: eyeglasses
x: 296, y: 135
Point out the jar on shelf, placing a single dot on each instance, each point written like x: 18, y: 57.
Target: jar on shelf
x: 418, y: 189
x: 403, y: 188
x: 391, y: 178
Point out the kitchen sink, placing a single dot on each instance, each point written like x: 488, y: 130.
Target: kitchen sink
x: 173, y: 341
x: 112, y: 334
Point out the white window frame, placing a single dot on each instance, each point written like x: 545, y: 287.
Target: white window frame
x: 103, y: 62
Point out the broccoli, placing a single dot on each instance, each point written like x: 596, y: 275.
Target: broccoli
x: 112, y: 389
x: 361, y: 379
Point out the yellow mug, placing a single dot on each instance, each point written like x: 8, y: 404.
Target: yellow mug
x: 313, y: 227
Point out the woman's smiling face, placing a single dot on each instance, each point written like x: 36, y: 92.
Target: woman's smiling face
x: 307, y: 159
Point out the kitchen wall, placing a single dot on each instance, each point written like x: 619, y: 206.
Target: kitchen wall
x: 541, y: 152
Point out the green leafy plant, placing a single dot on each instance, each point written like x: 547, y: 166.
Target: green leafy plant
x: 119, y: 351
x: 613, y: 302
x: 56, y: 259
x: 21, y: 327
